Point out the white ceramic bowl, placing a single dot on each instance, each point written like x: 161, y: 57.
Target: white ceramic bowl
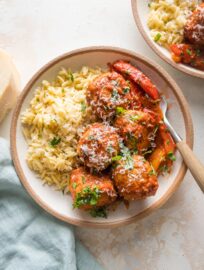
x: 140, y: 12
x: 60, y: 205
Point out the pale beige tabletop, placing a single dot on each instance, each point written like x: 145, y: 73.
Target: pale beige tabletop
x: 34, y: 32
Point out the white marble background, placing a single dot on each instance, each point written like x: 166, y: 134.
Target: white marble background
x: 35, y: 31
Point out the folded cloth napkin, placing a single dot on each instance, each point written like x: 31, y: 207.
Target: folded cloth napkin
x: 29, y: 237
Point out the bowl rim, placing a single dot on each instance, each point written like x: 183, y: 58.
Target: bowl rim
x: 193, y: 72
x: 187, y: 122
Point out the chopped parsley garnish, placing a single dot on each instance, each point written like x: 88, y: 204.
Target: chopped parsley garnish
x: 70, y: 76
x: 115, y: 83
x: 126, y: 90
x: 87, y: 196
x: 83, y: 179
x: 164, y: 168
x: 120, y: 110
x: 135, y: 151
x: 127, y: 72
x: 133, y: 139
x: 115, y: 95
x: 124, y: 150
x: 134, y: 117
x: 98, y: 212
x: 171, y: 156
x: 157, y: 37
x: 55, y: 141
x: 74, y: 185
x: 189, y: 52
x: 63, y: 90
x: 152, y: 172
x: 126, y: 156
x: 116, y: 158
x: 91, y: 137
x: 83, y: 106
x: 129, y: 162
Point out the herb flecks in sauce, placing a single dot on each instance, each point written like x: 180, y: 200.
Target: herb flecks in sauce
x: 120, y: 110
x: 171, y: 156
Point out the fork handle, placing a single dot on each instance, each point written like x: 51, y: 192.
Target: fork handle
x: 192, y: 162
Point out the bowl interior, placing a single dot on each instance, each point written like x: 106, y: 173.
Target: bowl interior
x: 54, y: 201
x: 140, y: 12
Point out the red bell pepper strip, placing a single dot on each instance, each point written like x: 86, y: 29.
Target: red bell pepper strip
x: 137, y: 77
x: 188, y: 54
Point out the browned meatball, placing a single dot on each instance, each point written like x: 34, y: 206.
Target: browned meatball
x: 107, y: 92
x: 135, y: 178
x: 194, y: 28
x: 90, y: 191
x: 97, y: 146
x: 137, y: 128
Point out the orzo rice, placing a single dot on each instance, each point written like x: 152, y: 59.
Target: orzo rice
x: 52, y: 123
x: 166, y: 19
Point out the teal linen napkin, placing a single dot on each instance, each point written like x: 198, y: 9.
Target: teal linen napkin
x: 29, y: 237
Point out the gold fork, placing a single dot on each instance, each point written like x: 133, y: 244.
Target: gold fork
x: 191, y: 161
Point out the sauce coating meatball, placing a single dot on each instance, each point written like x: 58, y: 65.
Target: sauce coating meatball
x: 106, y: 93
x: 135, y: 179
x: 194, y: 28
x: 137, y: 128
x: 97, y: 146
x: 90, y: 191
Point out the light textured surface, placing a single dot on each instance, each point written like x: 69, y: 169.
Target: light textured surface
x: 33, y: 32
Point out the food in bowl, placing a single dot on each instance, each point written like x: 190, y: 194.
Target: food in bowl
x: 178, y: 26
x: 137, y: 180
x: 91, y: 191
x: 99, y: 134
x: 57, y: 114
x: 98, y: 145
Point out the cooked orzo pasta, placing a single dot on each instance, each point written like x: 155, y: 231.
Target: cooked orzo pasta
x: 167, y: 18
x: 52, y: 123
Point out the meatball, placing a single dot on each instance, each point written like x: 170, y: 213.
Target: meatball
x: 106, y: 93
x: 194, y: 28
x: 97, y: 146
x: 135, y: 178
x: 137, y: 128
x: 90, y: 191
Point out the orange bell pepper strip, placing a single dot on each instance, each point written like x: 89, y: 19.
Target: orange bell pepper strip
x: 168, y: 142
x: 157, y: 157
x: 165, y: 149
